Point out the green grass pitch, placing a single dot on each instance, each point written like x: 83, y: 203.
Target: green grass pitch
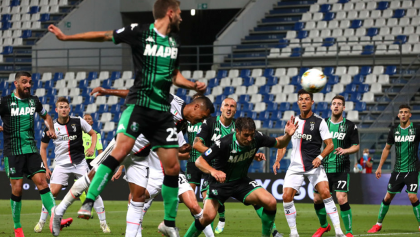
x: 240, y: 220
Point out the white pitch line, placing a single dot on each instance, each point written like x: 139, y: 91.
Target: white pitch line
x: 412, y: 233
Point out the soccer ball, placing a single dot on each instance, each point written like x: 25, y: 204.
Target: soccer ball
x: 313, y: 80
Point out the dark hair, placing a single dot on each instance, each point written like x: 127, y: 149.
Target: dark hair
x: 405, y: 106
x: 20, y: 74
x: 161, y: 7
x: 245, y: 123
x: 208, y: 105
x: 196, y: 95
x: 339, y: 97
x: 303, y: 92
x: 62, y: 99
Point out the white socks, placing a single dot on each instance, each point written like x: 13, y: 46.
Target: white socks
x: 75, y: 191
x: 44, y: 214
x: 333, y: 214
x: 134, y: 216
x: 208, y: 231
x: 290, y: 212
x: 99, y: 208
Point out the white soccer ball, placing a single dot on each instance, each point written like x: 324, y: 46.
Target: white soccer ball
x: 313, y: 80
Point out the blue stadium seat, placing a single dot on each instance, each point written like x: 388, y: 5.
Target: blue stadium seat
x: 372, y: 32
x: 7, y: 50
x: 229, y: 90
x: 26, y: 34
x: 245, y: 73
x: 295, y: 80
x: 298, y: 88
x: 390, y: 70
x: 250, y: 114
x: 329, y: 16
x: 14, y: 3
x: 399, y: 13
x: 363, y: 88
x: 400, y: 39
x: 325, y: 8
x: 365, y: 70
x: 324, y: 113
x: 272, y: 106
x: 221, y: 74
x: 58, y: 76
x: 78, y: 109
x: 283, y: 43
x: 298, y: 26
x: 328, y: 42
x: 115, y: 109
x: 181, y: 92
x: 213, y: 82
x: 322, y: 106
x: 36, y: 85
x: 248, y: 81
x: 295, y: 107
x: 246, y: 107
x: 267, y: 124
x: 102, y: 109
x: 368, y: 50
x: 302, y: 34
x: 350, y: 88
x: 265, y: 89
x: 303, y: 70
x: 356, y: 24
x: 332, y: 80
x: 358, y: 79
x: 107, y: 84
x: 115, y: 75
x: 92, y: 76
x: 97, y: 126
x: 355, y: 97
x: 116, y: 118
x: 34, y: 9
x: 327, y: 88
x: 343, y: 1
x: 243, y: 98
x: 267, y: 98
x: 264, y: 115
x: 268, y: 72
x: 6, y: 25
x: 296, y: 52
x: 328, y: 71
x: 4, y: 85
x: 219, y: 99
x: 88, y: 100
x: 279, y: 124
x: 85, y: 91
x: 284, y: 106
x: 95, y: 116
x: 44, y: 17
x: 271, y: 81
x: 49, y: 84
x: 36, y: 76
x: 6, y: 17
x: 382, y: 5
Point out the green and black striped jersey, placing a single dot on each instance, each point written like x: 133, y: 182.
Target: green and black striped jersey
x: 192, y: 131
x: 212, y: 130
x: 344, y: 134
x: 155, y: 58
x: 18, y: 117
x: 406, y: 142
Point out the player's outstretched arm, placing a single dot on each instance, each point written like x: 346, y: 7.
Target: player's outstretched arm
x: 289, y: 130
x: 92, y: 36
x: 202, y: 164
x: 280, y: 154
x: 180, y: 81
x: 384, y: 155
x: 49, y: 123
x: 99, y: 91
x: 350, y: 150
x: 43, y: 153
x: 199, y: 145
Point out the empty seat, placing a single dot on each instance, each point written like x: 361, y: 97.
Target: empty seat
x: 384, y: 31
x: 370, y: 79
x: 394, y: 4
x: 77, y: 100
x: 383, y: 79
x: 375, y: 14
x: 381, y: 49
x: 287, y: 115
x: 348, y: 6
x: 376, y: 88
x: 363, y: 14
x: 290, y: 34
x: 353, y: 115
x: 387, y: 13
x: 407, y: 4
x: 411, y: 13
x: 368, y: 97
x: 404, y: 22
x: 371, y: 5
x: 109, y: 127
x: 407, y: 49
x: 392, y: 22
x: 352, y: 15
x: 333, y: 24
x: 393, y: 49
x: 317, y: 16
x: 341, y: 15
x: 396, y: 30
x: 91, y: 108
x: 408, y: 30
x: 378, y: 70
x: 307, y: 16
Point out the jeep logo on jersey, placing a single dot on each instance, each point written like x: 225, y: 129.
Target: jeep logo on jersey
x: 162, y: 51
x: 193, y: 128
x: 243, y: 156
x: 22, y: 111
x: 71, y: 138
x: 338, y: 135
x: 408, y: 138
x: 216, y: 137
x: 304, y: 136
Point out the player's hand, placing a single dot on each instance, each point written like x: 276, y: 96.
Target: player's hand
x: 316, y: 163
x: 220, y: 176
x: 259, y: 157
x: 276, y: 167
x: 57, y: 32
x: 378, y: 173
x: 90, y: 151
x: 340, y: 151
x: 200, y: 87
x: 1, y: 128
x: 47, y: 173
x: 185, y: 148
x: 98, y: 91
x: 51, y: 134
x: 117, y: 174
x: 291, y: 126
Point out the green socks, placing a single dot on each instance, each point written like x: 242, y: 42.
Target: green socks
x: 16, y: 204
x: 416, y: 210
x: 347, y: 217
x: 170, y: 199
x: 322, y: 214
x: 382, y: 211
x: 102, y: 177
x: 259, y: 211
x: 267, y: 218
x: 83, y: 197
x: 195, y: 229
x: 47, y: 199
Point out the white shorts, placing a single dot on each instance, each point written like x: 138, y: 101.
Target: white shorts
x: 136, y: 170
x: 61, y: 173
x: 154, y: 188
x: 294, y: 179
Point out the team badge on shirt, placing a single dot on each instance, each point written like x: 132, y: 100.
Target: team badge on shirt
x: 134, y: 127
x: 312, y: 126
x: 74, y: 127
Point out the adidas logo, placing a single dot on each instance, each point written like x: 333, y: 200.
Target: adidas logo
x: 150, y: 39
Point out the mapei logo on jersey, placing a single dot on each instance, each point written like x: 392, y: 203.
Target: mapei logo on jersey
x: 162, y: 51
x: 217, y: 143
x: 22, y: 111
x: 192, y: 128
x: 408, y: 138
x: 243, y: 156
x: 312, y: 126
x: 307, y: 137
x: 338, y: 135
x: 208, y: 152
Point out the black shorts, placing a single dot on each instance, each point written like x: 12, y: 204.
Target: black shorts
x: 205, y: 184
x: 399, y: 180
x: 338, y: 182
x: 193, y: 173
x: 88, y: 163
x: 239, y: 189
x: 157, y: 126
x: 29, y: 164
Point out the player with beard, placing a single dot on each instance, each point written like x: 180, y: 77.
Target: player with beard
x: 155, y: 55
x: 21, y: 155
x: 306, y: 161
x: 406, y: 137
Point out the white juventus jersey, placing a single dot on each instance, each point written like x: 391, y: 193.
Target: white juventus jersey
x: 69, y: 142
x: 307, y: 142
x: 177, y: 105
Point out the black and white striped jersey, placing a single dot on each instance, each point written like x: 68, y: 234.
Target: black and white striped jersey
x: 177, y: 107
x: 69, y: 142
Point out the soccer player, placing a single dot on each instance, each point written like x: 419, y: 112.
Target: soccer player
x: 21, y: 156
x: 194, y: 112
x: 345, y: 137
x: 155, y: 56
x: 232, y: 156
x: 211, y: 131
x: 306, y: 161
x: 406, y: 137
x: 69, y: 156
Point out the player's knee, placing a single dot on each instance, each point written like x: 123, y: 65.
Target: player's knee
x: 195, y: 208
x: 172, y: 169
x: 208, y: 218
x: 287, y: 197
x: 341, y: 199
x: 317, y: 199
x: 272, y: 204
x: 413, y: 198
x: 17, y: 190
x: 325, y: 194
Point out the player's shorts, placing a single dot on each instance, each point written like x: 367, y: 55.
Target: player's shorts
x: 136, y: 170
x: 157, y: 126
x: 338, y: 182
x: 61, y: 173
x: 154, y: 187
x: 238, y: 189
x: 29, y: 164
x: 193, y: 173
x: 88, y: 163
x: 205, y: 184
x: 399, y: 180
x: 294, y: 179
